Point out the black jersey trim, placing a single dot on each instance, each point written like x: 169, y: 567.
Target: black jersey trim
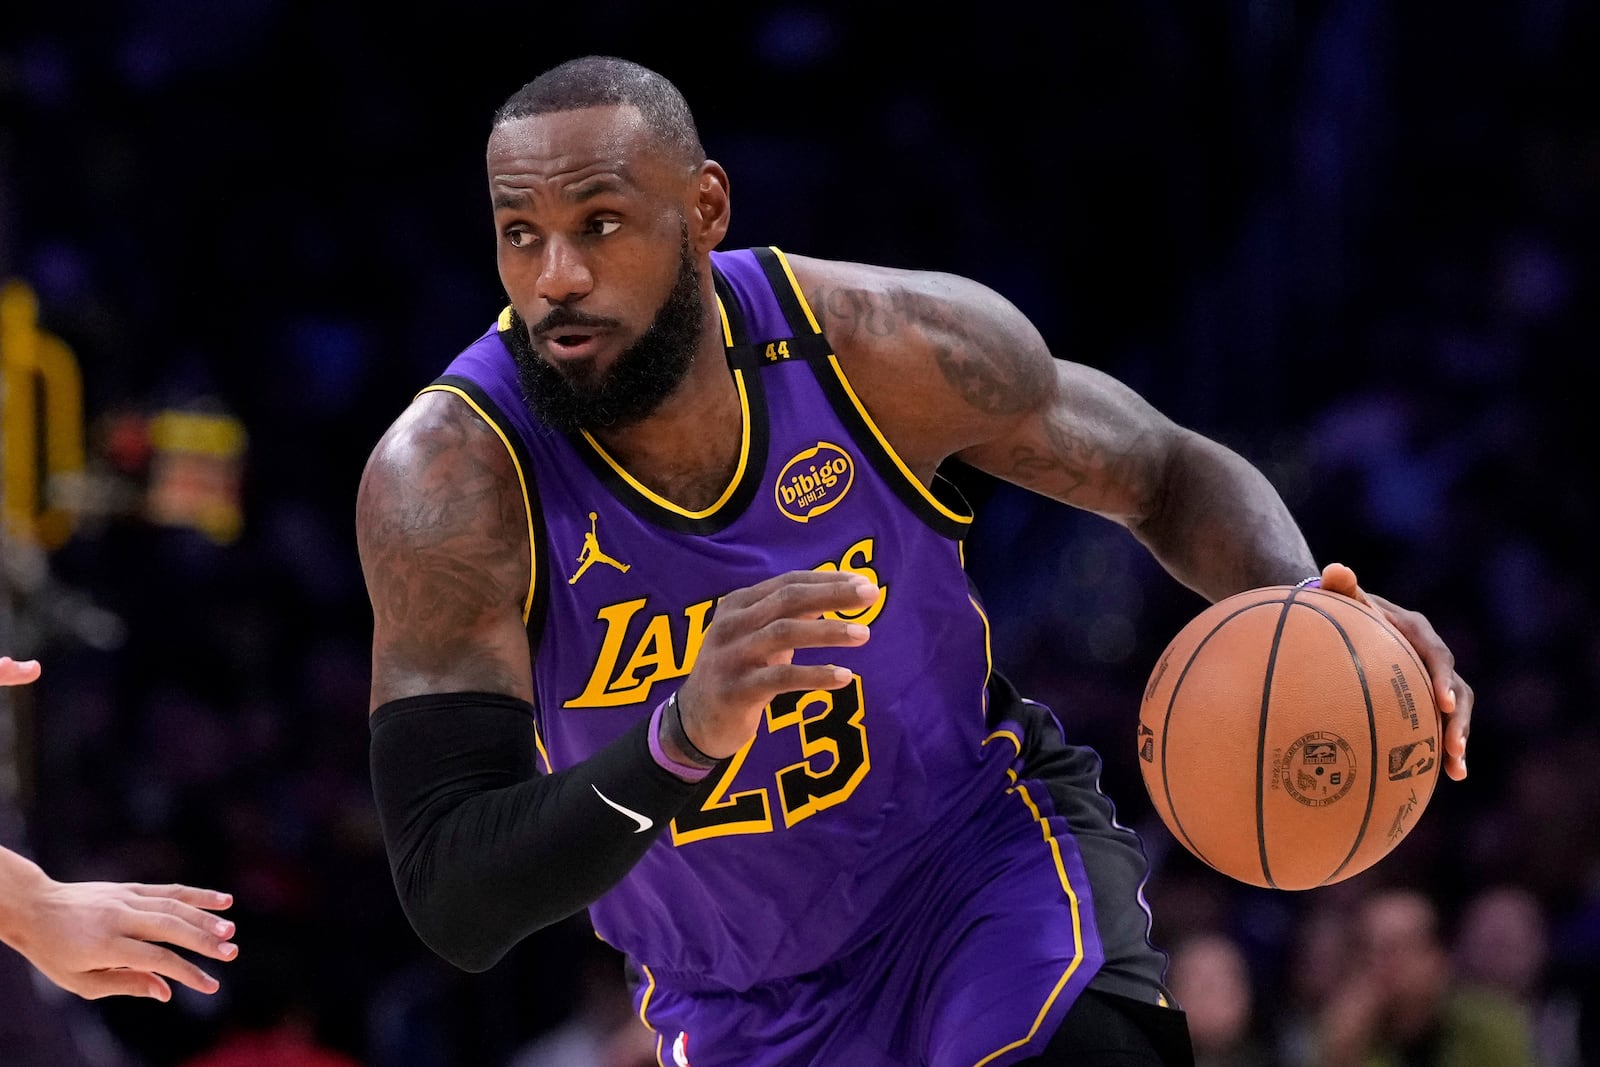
x: 735, y: 329
x: 786, y: 288
x: 534, y: 608
x: 941, y: 506
x: 747, y: 351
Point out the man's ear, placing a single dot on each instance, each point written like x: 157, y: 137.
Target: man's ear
x: 709, y: 213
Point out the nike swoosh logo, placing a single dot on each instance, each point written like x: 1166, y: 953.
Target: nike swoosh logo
x: 644, y: 822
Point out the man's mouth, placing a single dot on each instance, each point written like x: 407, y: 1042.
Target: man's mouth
x: 572, y: 342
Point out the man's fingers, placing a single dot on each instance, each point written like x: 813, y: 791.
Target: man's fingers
x: 18, y: 672
x: 1457, y: 729
x: 1337, y: 578
x: 762, y: 590
x: 93, y: 985
x: 758, y: 686
x: 795, y: 678
x: 209, y: 899
x: 808, y: 599
x: 1450, y: 691
x: 199, y: 918
x: 787, y: 635
x: 204, y: 939
x: 158, y: 960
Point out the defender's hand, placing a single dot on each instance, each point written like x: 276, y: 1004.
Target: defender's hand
x: 1450, y: 690
x: 18, y: 672
x: 747, y: 656
x: 100, y: 939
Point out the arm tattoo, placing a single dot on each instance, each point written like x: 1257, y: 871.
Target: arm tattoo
x: 443, y: 545
x: 997, y: 371
x: 1070, y: 466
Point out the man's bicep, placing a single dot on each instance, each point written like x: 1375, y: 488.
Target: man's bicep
x: 442, y: 532
x: 949, y: 367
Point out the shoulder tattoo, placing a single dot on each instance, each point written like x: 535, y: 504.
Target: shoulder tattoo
x: 994, y: 362
x: 443, y: 542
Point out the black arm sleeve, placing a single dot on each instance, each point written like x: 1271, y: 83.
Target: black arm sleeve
x: 484, y: 848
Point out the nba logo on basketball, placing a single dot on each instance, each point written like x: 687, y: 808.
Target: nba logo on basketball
x: 1413, y: 757
x: 680, y: 1049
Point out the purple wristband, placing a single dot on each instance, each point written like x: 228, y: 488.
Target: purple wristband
x: 666, y: 762
x: 1314, y: 582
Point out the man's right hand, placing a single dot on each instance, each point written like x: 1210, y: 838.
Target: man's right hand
x: 747, y: 656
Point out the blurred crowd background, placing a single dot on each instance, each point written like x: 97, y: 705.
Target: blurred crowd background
x: 1355, y: 240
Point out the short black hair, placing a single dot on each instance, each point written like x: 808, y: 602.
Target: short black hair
x: 597, y: 81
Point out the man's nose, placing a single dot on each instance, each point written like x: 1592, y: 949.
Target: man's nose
x: 564, y: 276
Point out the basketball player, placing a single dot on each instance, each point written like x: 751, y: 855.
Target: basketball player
x: 101, y: 939
x: 770, y: 756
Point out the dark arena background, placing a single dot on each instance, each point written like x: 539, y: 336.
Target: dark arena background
x: 1357, y: 241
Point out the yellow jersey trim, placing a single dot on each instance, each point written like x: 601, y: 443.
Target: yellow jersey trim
x: 900, y: 464
x: 544, y: 756
x: 650, y: 988
x: 1009, y: 735
x: 522, y: 481
x: 644, y: 1006
x: 1021, y: 791
x: 988, y: 648
x: 805, y: 305
x: 727, y: 327
x: 1077, y: 931
x: 861, y: 409
x: 661, y: 501
x: 744, y: 447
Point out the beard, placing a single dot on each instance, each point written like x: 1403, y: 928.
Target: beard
x: 580, y: 397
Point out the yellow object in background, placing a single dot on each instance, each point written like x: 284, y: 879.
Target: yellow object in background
x: 41, y: 422
x: 196, y: 468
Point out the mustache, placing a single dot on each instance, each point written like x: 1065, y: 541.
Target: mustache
x: 561, y: 317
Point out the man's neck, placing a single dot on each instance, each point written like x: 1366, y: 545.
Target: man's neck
x: 688, y: 448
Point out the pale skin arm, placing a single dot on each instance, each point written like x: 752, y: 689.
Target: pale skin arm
x: 949, y: 368
x: 100, y: 939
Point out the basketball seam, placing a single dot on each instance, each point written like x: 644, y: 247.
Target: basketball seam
x: 1261, y: 737
x: 1372, y: 737
x: 1166, y: 722
x: 1416, y: 661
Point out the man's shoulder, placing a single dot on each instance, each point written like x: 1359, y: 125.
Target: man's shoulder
x: 438, y: 465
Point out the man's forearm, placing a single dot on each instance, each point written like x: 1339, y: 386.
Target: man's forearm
x: 484, y: 849
x: 1220, y: 527
x: 20, y: 878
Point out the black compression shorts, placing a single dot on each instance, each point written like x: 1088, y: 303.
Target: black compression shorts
x: 1105, y: 1030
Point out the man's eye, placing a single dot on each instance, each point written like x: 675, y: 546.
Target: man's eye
x: 519, y: 238
x: 604, y: 227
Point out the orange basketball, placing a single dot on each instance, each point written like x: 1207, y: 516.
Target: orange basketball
x: 1289, y: 737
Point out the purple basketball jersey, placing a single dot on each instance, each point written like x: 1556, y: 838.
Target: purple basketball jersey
x: 815, y: 830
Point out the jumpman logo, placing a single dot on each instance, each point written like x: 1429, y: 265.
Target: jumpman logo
x: 592, y: 554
